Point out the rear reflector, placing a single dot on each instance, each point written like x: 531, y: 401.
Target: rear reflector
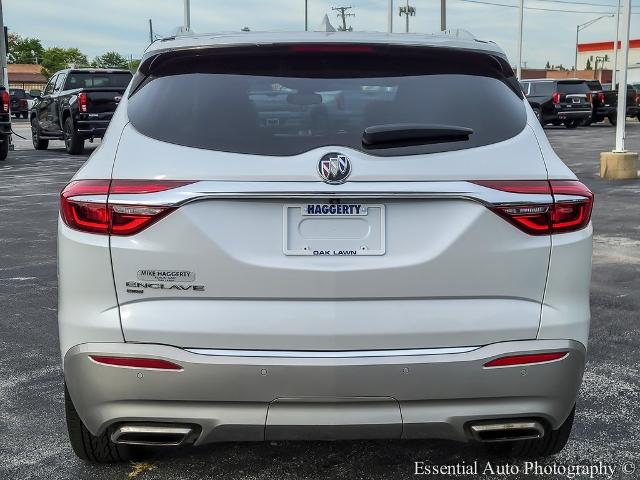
x: 560, y: 216
x: 526, y: 359
x: 133, y: 362
x: 116, y: 219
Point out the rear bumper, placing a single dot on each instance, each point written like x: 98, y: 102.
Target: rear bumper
x: 232, y: 396
x: 605, y: 111
x: 92, y: 128
x: 572, y: 114
x: 633, y: 111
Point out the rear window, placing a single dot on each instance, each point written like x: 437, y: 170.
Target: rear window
x: 542, y: 88
x: 92, y: 80
x: 594, y: 85
x: 573, y: 87
x: 290, y: 99
x: 17, y: 93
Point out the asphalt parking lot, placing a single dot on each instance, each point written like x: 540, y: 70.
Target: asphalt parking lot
x: 33, y: 438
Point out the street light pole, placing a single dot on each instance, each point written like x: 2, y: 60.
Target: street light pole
x: 443, y: 15
x: 622, y: 81
x: 614, y: 74
x: 581, y: 27
x: 390, y: 17
x: 520, y: 25
x: 306, y: 15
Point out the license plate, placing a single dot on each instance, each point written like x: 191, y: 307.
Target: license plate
x: 575, y: 100
x: 334, y: 230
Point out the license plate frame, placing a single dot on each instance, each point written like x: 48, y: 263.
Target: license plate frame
x: 297, y: 240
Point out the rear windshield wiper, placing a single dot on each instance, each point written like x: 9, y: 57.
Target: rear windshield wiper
x: 407, y: 134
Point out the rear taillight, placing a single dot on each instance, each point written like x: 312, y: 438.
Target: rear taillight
x: 569, y: 210
x: 84, y: 205
x: 556, y: 97
x: 6, y: 101
x: 82, y: 102
x: 601, y: 97
x: 23, y: 104
x: 528, y: 359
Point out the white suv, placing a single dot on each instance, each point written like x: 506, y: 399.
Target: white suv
x: 322, y: 236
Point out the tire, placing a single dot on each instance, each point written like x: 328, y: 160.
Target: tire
x: 638, y: 117
x: 613, y: 120
x: 25, y: 114
x: 553, y: 442
x: 587, y: 121
x: 4, y: 148
x: 87, y: 446
x: 38, y: 143
x: 73, y: 142
x: 571, y: 124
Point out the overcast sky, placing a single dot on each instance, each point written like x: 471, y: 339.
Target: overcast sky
x: 96, y: 26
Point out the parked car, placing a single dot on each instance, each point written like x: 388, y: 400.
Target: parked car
x: 5, y: 123
x: 20, y: 102
x: 560, y: 102
x: 604, y: 103
x: 633, y: 102
x: 77, y: 104
x: 419, y: 272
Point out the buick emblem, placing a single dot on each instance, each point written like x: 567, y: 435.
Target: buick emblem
x: 334, y: 168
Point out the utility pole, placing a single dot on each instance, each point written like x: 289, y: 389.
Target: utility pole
x: 343, y: 15
x: 306, y: 15
x: 187, y: 15
x: 390, y: 17
x: 614, y: 73
x: 150, y: 31
x: 407, y: 11
x: 443, y: 15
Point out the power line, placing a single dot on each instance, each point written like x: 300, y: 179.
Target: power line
x: 579, y: 3
x: 495, y: 4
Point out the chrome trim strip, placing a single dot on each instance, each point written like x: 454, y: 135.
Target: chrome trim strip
x: 351, y: 190
x: 330, y: 354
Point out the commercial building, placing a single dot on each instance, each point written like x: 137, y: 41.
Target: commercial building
x: 603, y: 53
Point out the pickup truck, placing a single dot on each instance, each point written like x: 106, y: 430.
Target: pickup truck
x: 633, y: 106
x: 21, y: 102
x: 76, y: 105
x: 603, y: 103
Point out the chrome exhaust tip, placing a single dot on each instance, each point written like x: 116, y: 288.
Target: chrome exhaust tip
x: 153, y: 435
x: 507, y: 431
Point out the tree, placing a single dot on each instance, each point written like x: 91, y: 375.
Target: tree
x: 57, y: 58
x: 588, y: 67
x: 133, y: 65
x: 548, y: 65
x: 110, y: 60
x: 24, y: 50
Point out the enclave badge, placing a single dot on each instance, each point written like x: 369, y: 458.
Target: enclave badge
x: 334, y: 168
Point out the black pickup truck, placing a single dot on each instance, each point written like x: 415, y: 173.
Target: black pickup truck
x: 633, y: 108
x: 77, y: 104
x: 604, y: 103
